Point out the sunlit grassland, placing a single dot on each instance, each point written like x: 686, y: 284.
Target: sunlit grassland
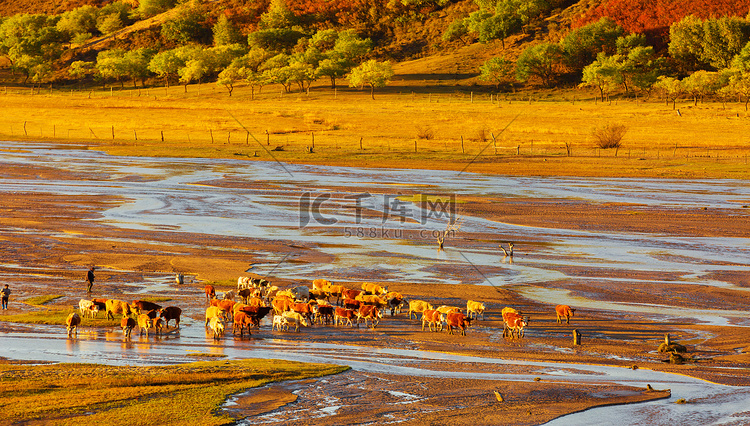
x: 346, y: 127
x: 42, y: 299
x: 62, y: 394
x: 57, y: 316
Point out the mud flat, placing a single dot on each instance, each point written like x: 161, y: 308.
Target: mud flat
x: 638, y: 259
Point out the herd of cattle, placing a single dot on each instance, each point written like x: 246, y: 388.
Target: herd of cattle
x: 301, y: 306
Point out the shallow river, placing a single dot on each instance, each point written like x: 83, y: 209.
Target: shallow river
x: 345, y: 212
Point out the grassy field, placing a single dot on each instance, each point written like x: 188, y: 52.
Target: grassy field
x: 438, y: 126
x: 189, y: 394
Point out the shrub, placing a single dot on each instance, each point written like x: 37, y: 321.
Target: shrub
x: 425, y: 132
x: 609, y: 136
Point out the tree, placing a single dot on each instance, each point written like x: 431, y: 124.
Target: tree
x: 581, y: 46
x: 639, y: 65
x: 739, y: 84
x: 188, y: 26
x: 541, y: 61
x: 111, y: 64
x: 457, y: 30
x: 671, y: 87
x: 497, y: 71
x: 603, y: 73
x: 723, y: 39
x: 167, y: 64
x: 149, y: 8
x: 27, y: 40
x: 741, y: 62
x: 699, y: 84
x: 686, y: 43
x: 113, y: 17
x: 136, y: 64
x: 79, y: 23
x: 225, y: 33
x: 371, y: 73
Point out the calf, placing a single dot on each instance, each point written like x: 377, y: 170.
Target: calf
x: 127, y: 325
x: 144, y: 323
x: 432, y: 317
x: 171, y: 313
x: 564, y: 311
x: 474, y: 309
x: 88, y: 308
x: 418, y: 306
x: 368, y: 312
x: 295, y: 318
x: 246, y: 293
x: 158, y: 325
x: 457, y: 320
x: 216, y: 324
x: 210, y: 292
x: 304, y: 309
x: 279, y: 323
x: 143, y: 305
x: 344, y: 315
x: 100, y: 303
x: 72, y: 323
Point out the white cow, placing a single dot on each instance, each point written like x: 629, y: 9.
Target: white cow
x: 88, y: 308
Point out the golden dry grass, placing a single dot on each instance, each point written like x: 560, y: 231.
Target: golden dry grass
x: 704, y: 141
x: 189, y: 394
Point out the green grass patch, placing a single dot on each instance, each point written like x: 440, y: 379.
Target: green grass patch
x: 155, y: 299
x: 222, y: 284
x: 43, y: 299
x: 58, y: 317
x: 187, y: 394
x: 205, y: 355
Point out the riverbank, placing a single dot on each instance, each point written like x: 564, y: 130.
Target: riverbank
x: 404, y: 127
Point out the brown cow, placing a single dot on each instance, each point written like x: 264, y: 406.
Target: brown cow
x: 210, y: 292
x: 564, y: 311
x: 321, y: 284
x: 515, y: 325
x: 281, y: 305
x: 432, y: 317
x: 72, y: 323
x: 457, y: 320
x: 304, y: 309
x: 256, y: 313
x: 344, y: 315
x: 144, y: 305
x: 127, y: 325
x: 351, y: 293
x: 369, y: 312
x: 325, y: 314
x: 171, y: 313
x: 352, y: 304
x: 241, y: 321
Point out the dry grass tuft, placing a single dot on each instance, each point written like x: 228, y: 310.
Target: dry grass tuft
x: 609, y: 135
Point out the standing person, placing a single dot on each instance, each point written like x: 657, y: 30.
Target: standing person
x: 90, y: 278
x: 6, y: 295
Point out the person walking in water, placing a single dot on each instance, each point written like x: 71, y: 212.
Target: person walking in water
x: 6, y: 295
x: 90, y: 278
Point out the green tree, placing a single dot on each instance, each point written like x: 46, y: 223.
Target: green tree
x: 723, y: 39
x: 603, y: 73
x: 458, y: 29
x: 741, y: 62
x: 497, y: 71
x: 28, y: 40
x: 540, y: 61
x: 639, y: 65
x: 136, y: 63
x: 671, y: 87
x: 686, y: 43
x: 187, y: 26
x: 739, y: 85
x: 81, y: 69
x: 278, y: 16
x: 225, y: 33
x: 149, y: 8
x: 371, y: 73
x: 699, y: 84
x: 581, y: 46
x: 167, y: 64
x: 79, y: 23
x: 111, y: 64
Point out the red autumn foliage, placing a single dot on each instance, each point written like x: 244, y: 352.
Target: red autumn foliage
x: 655, y: 16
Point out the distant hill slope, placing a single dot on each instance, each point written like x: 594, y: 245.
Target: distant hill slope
x: 49, y: 7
